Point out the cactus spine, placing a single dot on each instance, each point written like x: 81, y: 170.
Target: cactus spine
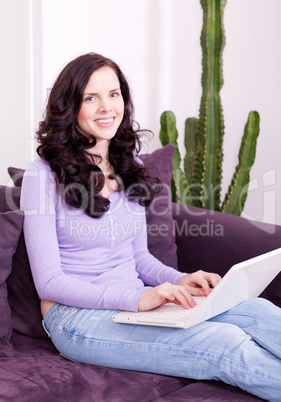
x: 204, y: 136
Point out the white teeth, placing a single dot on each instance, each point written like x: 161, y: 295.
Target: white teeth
x: 105, y: 121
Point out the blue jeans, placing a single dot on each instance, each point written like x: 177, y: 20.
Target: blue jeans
x: 241, y: 347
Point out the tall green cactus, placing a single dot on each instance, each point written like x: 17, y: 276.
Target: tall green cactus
x: 169, y: 135
x: 201, y: 182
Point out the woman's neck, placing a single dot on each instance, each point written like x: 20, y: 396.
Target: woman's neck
x: 100, y: 150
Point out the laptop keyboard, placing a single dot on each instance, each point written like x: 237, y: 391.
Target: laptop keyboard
x: 174, y: 310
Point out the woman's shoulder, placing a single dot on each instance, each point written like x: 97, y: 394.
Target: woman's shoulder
x: 39, y: 163
x: 39, y: 169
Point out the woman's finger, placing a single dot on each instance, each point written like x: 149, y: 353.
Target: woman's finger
x: 215, y: 279
x: 178, y: 295
x: 204, y: 279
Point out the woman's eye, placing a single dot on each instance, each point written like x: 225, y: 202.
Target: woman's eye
x: 115, y: 94
x: 90, y: 99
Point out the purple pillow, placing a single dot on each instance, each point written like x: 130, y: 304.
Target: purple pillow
x: 16, y: 175
x: 11, y: 226
x: 160, y: 223
x: 22, y: 296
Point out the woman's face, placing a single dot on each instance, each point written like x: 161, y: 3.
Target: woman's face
x: 102, y: 107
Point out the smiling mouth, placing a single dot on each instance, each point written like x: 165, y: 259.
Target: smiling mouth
x: 105, y: 121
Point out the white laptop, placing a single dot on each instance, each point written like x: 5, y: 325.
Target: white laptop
x: 243, y: 281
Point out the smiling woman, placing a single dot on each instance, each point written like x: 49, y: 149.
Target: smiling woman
x: 88, y: 248
x: 87, y: 130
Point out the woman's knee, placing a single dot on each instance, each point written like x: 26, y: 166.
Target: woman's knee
x: 249, y: 313
x: 223, y: 335
x: 257, y: 306
x: 258, y: 302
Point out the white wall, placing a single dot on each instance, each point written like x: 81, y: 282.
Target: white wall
x: 252, y: 62
x: 156, y: 43
x: 20, y: 80
x: 14, y: 79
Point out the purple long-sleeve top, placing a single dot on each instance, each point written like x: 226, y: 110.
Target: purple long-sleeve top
x: 85, y: 262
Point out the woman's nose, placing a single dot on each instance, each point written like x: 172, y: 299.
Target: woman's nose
x: 105, y: 106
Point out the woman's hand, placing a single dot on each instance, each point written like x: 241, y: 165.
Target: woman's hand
x: 165, y: 293
x: 195, y: 284
x: 198, y: 282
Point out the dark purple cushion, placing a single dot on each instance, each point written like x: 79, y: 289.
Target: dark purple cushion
x: 11, y: 226
x: 9, y: 198
x: 160, y: 223
x: 22, y: 296
x: 16, y: 175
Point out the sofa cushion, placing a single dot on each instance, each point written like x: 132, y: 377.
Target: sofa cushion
x: 9, y: 198
x: 16, y: 175
x: 11, y: 226
x: 160, y: 223
x: 22, y: 296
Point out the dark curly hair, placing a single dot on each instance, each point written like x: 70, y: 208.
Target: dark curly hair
x: 64, y: 147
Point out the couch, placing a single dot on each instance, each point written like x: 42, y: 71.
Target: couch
x: 31, y: 369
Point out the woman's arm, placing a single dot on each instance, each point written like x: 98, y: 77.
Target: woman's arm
x: 169, y: 284
x: 195, y: 284
x: 151, y: 271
